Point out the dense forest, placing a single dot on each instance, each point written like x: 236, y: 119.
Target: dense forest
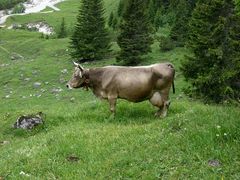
x: 7, y: 4
x: 209, y: 29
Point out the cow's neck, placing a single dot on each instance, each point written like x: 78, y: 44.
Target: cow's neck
x: 95, y: 78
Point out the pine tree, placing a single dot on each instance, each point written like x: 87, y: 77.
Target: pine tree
x: 152, y: 11
x: 110, y: 19
x: 179, y: 31
x: 121, y: 7
x: 90, y: 40
x: 214, y: 70
x: 134, y: 39
x: 62, y: 32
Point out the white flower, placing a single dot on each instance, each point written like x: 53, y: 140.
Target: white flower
x: 217, y: 135
x: 218, y: 126
x: 225, y: 134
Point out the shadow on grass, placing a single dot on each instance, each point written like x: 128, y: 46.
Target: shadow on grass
x: 98, y: 113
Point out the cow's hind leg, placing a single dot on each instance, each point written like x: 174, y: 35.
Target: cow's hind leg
x: 161, y: 102
x: 112, y: 102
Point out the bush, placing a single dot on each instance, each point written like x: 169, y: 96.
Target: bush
x: 19, y: 8
x: 166, y: 44
x: 7, y: 4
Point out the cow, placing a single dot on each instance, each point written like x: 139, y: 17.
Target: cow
x: 134, y: 84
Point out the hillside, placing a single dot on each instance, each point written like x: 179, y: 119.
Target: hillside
x: 195, y: 140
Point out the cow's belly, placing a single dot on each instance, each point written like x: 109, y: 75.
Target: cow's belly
x: 135, y: 93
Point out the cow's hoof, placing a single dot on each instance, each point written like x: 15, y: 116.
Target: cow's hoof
x: 159, y: 115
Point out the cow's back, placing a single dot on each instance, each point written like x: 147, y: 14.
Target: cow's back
x: 132, y: 83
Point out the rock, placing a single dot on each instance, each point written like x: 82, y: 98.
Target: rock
x: 27, y: 79
x: 214, y: 163
x: 4, y: 142
x: 35, y: 72
x: 7, y: 96
x: 40, y: 27
x: 72, y: 99
x: 62, y: 80
x: 37, y: 95
x: 37, y: 84
x: 16, y: 26
x: 15, y: 56
x: 24, y: 174
x: 64, y: 71
x: 42, y: 90
x: 73, y: 158
x: 29, y: 121
x: 56, y: 90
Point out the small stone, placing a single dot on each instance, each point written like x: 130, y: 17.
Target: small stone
x: 56, y: 90
x: 24, y: 174
x: 15, y: 56
x: 72, y: 158
x: 214, y: 163
x: 62, y: 80
x: 43, y: 90
x: 35, y: 72
x: 27, y: 79
x: 37, y: 84
x: 64, y: 71
x: 72, y: 99
x: 4, y: 142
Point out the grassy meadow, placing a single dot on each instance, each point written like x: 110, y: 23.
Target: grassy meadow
x: 80, y: 141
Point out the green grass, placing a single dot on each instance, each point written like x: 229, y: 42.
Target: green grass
x: 68, y: 10
x: 134, y: 145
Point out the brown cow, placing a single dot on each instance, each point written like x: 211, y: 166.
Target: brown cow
x: 134, y: 84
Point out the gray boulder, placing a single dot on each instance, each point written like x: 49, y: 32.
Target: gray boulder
x: 29, y: 121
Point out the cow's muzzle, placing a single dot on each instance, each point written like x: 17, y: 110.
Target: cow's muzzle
x: 68, y: 86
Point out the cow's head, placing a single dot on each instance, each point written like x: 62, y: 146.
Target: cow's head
x: 78, y: 78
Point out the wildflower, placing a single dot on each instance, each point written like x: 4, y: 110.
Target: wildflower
x: 217, y: 135
x: 218, y: 126
x: 225, y: 134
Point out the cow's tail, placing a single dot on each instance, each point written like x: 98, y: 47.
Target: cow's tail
x: 173, y: 85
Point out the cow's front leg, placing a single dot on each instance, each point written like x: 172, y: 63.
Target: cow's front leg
x: 164, y: 110
x: 112, y: 103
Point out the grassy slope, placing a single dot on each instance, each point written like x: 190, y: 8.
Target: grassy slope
x: 133, y: 145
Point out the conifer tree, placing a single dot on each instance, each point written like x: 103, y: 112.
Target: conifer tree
x: 121, y: 7
x: 90, y: 40
x: 110, y: 19
x: 62, y: 32
x: 179, y: 31
x: 134, y: 39
x: 152, y: 11
x: 214, y: 70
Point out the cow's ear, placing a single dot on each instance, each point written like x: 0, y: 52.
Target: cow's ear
x: 78, y: 66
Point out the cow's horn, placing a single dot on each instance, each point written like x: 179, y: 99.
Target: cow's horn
x: 78, y: 65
